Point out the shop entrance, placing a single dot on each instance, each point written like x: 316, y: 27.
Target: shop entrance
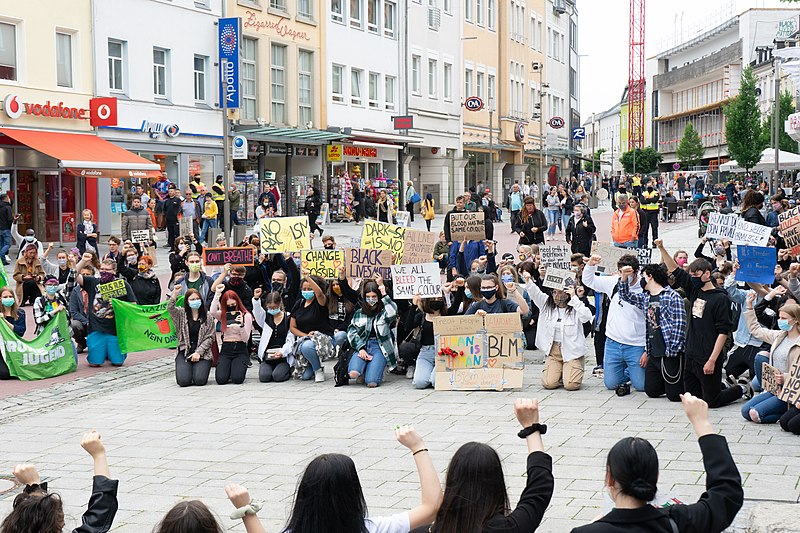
x: 47, y: 203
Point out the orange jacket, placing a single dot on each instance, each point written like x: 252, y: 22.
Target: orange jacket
x: 626, y: 227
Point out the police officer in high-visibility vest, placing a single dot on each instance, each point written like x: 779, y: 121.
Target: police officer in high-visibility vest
x: 218, y: 195
x: 650, y: 206
x: 637, y: 185
x: 197, y: 187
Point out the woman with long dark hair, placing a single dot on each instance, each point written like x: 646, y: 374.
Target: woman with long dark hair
x: 310, y: 324
x: 370, y: 334
x: 752, y: 203
x: 475, y: 497
x: 195, y: 329
x: 275, y: 346
x: 313, y: 208
x: 533, y: 223
x: 236, y: 324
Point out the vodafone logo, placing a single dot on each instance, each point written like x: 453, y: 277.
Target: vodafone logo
x: 103, y: 111
x: 12, y: 106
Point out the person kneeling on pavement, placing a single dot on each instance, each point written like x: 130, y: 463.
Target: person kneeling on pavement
x: 277, y: 341
x: 196, y: 330
x: 370, y: 334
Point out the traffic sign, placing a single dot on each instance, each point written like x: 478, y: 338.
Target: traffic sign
x: 556, y: 123
x: 473, y: 103
x: 676, y: 166
x: 579, y: 134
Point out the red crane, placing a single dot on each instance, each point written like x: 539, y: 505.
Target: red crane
x: 636, y: 80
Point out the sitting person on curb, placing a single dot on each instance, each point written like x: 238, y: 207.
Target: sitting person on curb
x: 38, y: 511
x: 196, y: 329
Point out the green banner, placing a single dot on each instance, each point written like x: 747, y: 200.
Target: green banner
x: 50, y: 354
x: 143, y: 327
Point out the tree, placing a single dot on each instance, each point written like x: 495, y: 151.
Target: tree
x: 743, y: 127
x: 787, y: 144
x: 646, y: 160
x: 690, y: 150
x: 587, y: 165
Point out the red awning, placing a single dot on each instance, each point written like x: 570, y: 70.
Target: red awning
x: 85, y: 154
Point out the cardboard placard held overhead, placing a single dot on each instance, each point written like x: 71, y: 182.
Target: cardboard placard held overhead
x: 423, y: 279
x: 367, y: 264
x: 186, y: 227
x: 756, y: 264
x: 383, y: 236
x: 467, y: 226
x: 141, y: 236
x: 236, y: 256
x: 284, y: 234
x: 323, y: 263
x: 418, y: 246
x: 768, y: 379
x: 558, y: 278
x: 611, y: 255
x: 737, y: 230
x: 555, y: 256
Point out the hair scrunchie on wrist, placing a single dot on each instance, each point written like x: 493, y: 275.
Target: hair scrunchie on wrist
x: 251, y: 508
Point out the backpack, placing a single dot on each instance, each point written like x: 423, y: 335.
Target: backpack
x: 340, y: 374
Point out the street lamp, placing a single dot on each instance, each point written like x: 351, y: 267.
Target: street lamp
x: 538, y: 68
x: 490, y: 103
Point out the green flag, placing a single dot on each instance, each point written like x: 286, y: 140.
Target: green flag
x: 50, y: 354
x: 143, y: 327
x: 3, y: 277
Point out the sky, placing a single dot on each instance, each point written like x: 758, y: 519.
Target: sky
x: 603, y: 36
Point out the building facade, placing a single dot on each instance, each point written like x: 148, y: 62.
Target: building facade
x: 604, y: 132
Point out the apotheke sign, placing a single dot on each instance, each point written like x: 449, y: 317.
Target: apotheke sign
x: 105, y: 113
x: 157, y: 128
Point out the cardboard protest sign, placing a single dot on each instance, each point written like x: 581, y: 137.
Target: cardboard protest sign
x: 48, y: 355
x: 383, y: 236
x: 423, y: 279
x: 768, y: 379
x: 644, y: 255
x: 367, y: 264
x: 402, y: 218
x: 558, y: 278
x: 791, y: 388
x: 284, y: 234
x: 112, y: 289
x: 555, y: 256
x: 323, y: 263
x: 467, y: 226
x: 788, y: 218
x: 756, y: 264
x: 611, y: 255
x: 418, y: 246
x: 186, y: 227
x: 240, y: 255
x: 140, y: 236
x: 475, y: 353
x: 737, y: 230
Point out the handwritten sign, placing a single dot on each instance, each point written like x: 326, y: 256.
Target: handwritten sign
x: 186, y: 227
x: 558, y: 278
x: 402, y: 218
x: 791, y: 388
x: 789, y: 226
x: 756, y: 264
x: 737, y: 230
x: 610, y: 256
x: 140, y: 236
x: 284, y: 234
x: 113, y: 289
x: 555, y: 256
x: 475, y: 353
x: 418, y: 246
x: 423, y: 279
x: 367, y: 264
x: 323, y: 263
x: 237, y: 256
x: 769, y: 380
x: 467, y: 226
x: 383, y: 236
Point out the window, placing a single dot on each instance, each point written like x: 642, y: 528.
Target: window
x: 388, y: 92
x: 305, y: 97
x: 337, y: 10
x: 355, y: 13
x: 278, y: 4
x: 355, y: 86
x: 304, y: 9
x: 448, y: 81
x: 389, y: 10
x: 248, y: 77
x: 490, y: 17
x: 448, y: 6
x: 373, y: 12
x: 468, y: 10
x: 539, y: 35
x: 479, y: 84
x: 468, y: 91
x: 490, y: 88
x: 533, y: 31
x: 374, y: 80
x: 433, y: 66
x: 479, y: 12
x: 277, y: 74
x: 8, y: 51
x: 160, y: 72
x: 64, y: 59
x: 337, y: 91
x: 200, y: 78
x: 416, y: 86
x: 116, y: 65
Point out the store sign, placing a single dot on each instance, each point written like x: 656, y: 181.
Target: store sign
x: 519, y: 131
x: 556, y: 123
x: 794, y: 121
x: 334, y: 152
x: 473, y: 103
x: 403, y: 122
x: 229, y: 45
x: 239, y: 148
x: 279, y: 150
x: 103, y: 111
x: 306, y: 151
x: 279, y: 27
x: 359, y: 151
x: 157, y: 128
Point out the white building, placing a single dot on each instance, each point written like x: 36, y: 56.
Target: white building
x: 158, y: 59
x: 603, y: 133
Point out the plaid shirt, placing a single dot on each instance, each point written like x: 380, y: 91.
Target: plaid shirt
x: 361, y: 326
x: 672, y: 316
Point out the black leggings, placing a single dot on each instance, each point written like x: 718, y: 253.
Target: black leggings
x: 790, y: 421
x: 188, y: 373
x: 742, y: 360
x: 667, y: 380
x: 428, y: 224
x: 232, y: 363
x: 30, y: 291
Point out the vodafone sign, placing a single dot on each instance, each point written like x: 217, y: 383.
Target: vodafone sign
x: 101, y: 113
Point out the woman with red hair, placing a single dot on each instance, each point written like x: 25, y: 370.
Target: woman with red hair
x: 145, y: 285
x: 236, y: 324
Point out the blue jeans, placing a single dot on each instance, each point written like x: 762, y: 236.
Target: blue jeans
x: 768, y: 407
x: 310, y: 353
x: 5, y: 243
x: 552, y: 221
x: 758, y: 364
x: 621, y: 364
x: 629, y: 244
x: 371, y: 370
x: 565, y: 220
x: 425, y: 371
x: 207, y: 223
x: 339, y: 337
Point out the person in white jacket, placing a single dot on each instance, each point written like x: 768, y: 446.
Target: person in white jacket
x: 560, y: 335
x: 277, y: 340
x: 625, y: 352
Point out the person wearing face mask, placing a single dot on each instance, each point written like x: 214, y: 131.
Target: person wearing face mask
x: 752, y: 203
x: 128, y: 269
x: 28, y: 239
x: 233, y: 279
x: 681, y: 257
x: 275, y: 346
x: 709, y: 325
x: 266, y: 208
x: 46, y: 306
x: 665, y: 315
x: 631, y: 480
x: 15, y: 317
x: 313, y: 206
x: 424, y: 370
x: 196, y: 331
x: 310, y: 324
x: 722, y: 251
x: 196, y: 279
x: 650, y: 199
x: 560, y: 335
x: 79, y: 312
x: 63, y: 270
x: 209, y: 216
x: 625, y: 224
x: 29, y: 274
x: 342, y: 301
x: 370, y: 334
x: 218, y: 195
x: 328, y: 242
x: 146, y: 285
x: 102, y: 339
x: 236, y: 324
x: 494, y: 298
x: 580, y: 231
x: 177, y: 257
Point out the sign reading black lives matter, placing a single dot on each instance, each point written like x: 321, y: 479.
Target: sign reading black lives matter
x: 467, y: 226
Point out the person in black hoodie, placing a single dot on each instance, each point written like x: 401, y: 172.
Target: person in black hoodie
x: 752, y: 204
x: 145, y: 285
x: 580, y: 231
x: 632, y: 475
x: 313, y: 207
x: 533, y: 222
x: 710, y: 323
x: 6, y: 220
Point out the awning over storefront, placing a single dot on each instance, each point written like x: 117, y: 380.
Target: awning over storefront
x: 84, y: 154
x: 289, y: 135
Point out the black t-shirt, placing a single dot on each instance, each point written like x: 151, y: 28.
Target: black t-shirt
x: 658, y: 348
x: 194, y: 333
x: 427, y: 332
x: 279, y: 332
x: 101, y: 313
x: 312, y: 317
x: 172, y: 207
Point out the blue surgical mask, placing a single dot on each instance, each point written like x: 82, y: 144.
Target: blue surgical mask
x: 51, y: 289
x: 62, y: 262
x: 274, y: 312
x: 784, y: 325
x: 371, y: 300
x: 298, y: 261
x: 468, y: 293
x: 8, y: 302
x: 507, y: 278
x: 307, y: 294
x: 195, y: 304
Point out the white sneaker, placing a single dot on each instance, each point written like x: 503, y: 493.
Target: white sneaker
x: 410, y: 372
x: 319, y: 375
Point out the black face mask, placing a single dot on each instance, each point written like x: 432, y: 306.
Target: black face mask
x: 277, y: 286
x: 436, y: 305
x: 235, y: 282
x: 643, y: 283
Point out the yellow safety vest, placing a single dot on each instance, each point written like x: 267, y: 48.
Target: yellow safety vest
x: 217, y: 192
x: 196, y: 187
x: 637, y: 182
x: 650, y: 196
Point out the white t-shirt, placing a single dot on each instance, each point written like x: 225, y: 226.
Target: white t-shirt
x: 396, y: 523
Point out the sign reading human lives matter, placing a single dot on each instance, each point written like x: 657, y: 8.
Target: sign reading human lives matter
x: 611, y: 255
x: 479, y: 353
x: 323, y: 263
x: 558, y: 278
x: 418, y: 246
x: 236, y: 256
x: 555, y: 256
x: 186, y: 227
x: 737, y: 230
x: 756, y: 264
x: 383, y: 236
x: 423, y: 279
x: 467, y: 226
x: 367, y: 264
x: 284, y: 234
x: 140, y: 236
x: 789, y: 226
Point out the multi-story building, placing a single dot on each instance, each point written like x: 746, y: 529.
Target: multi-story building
x: 604, y: 132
